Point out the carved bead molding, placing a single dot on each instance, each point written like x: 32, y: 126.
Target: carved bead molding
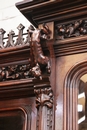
x: 71, y: 84
x: 44, y: 105
x: 73, y: 29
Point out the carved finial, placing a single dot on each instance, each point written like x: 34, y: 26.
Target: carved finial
x: 20, y: 40
x: 20, y: 27
x: 2, y: 32
x: 10, y: 41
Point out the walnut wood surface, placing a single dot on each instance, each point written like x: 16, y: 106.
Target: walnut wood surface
x: 68, y: 63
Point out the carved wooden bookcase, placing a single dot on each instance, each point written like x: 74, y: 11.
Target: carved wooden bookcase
x: 39, y: 78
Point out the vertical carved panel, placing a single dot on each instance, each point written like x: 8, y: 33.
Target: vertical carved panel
x: 44, y: 104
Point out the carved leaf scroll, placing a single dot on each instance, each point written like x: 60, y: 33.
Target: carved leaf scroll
x: 44, y: 97
x: 14, y: 72
x: 74, y: 29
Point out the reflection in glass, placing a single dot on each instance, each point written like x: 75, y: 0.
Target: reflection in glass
x: 11, y: 120
x: 82, y: 103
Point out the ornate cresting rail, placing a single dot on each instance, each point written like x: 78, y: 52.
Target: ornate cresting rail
x: 25, y: 70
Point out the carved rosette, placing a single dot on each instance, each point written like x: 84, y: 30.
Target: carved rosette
x: 44, y: 105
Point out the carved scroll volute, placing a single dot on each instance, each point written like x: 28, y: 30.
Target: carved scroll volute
x: 20, y: 40
x: 1, y: 38
x: 44, y: 105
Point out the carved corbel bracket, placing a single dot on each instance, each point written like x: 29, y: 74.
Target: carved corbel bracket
x: 44, y: 105
x: 44, y: 97
x: 38, y: 37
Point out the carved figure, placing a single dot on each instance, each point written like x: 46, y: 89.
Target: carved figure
x: 36, y: 36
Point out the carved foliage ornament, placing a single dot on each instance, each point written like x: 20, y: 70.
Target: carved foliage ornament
x: 73, y: 29
x: 14, y: 72
x: 44, y: 97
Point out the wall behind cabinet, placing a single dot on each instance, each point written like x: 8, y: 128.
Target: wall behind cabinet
x: 10, y: 16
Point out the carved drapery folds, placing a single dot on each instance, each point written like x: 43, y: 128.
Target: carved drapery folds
x: 73, y: 29
x: 44, y: 104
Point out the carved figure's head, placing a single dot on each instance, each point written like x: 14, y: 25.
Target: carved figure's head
x: 36, y: 72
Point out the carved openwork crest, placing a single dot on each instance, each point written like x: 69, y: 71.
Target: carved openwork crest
x: 37, y: 59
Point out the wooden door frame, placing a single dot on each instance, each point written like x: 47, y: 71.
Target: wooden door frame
x: 71, y: 84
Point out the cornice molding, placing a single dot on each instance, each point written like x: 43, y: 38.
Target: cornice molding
x: 14, y: 55
x: 21, y: 88
x: 70, y: 46
x: 49, y: 11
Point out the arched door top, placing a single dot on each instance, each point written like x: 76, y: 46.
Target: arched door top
x: 71, y: 84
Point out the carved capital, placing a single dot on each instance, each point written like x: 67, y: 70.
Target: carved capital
x: 44, y: 97
x: 44, y: 105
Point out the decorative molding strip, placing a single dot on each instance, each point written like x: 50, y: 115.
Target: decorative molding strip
x: 21, y: 88
x: 57, y: 11
x: 70, y: 46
